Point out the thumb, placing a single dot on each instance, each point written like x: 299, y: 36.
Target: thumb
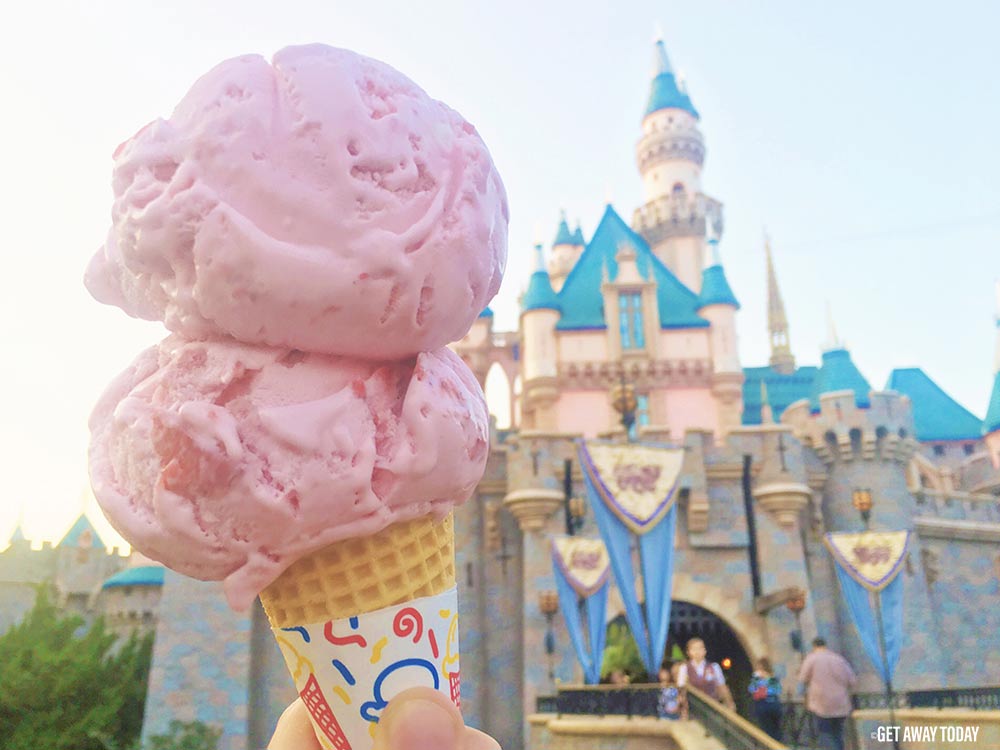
x: 424, y: 719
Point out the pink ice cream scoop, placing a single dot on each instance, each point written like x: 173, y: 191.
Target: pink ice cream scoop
x: 229, y: 462
x: 322, y: 202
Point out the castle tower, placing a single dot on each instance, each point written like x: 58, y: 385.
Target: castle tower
x: 865, y: 440
x: 670, y: 155
x: 566, y: 250
x: 782, y: 359
x: 718, y: 305
x: 540, y: 313
x: 991, y: 425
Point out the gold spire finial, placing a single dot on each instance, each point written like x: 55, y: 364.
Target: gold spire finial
x: 782, y: 358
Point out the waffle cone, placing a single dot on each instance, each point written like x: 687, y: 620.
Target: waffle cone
x: 404, y: 561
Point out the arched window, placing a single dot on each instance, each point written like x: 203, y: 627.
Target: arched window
x: 498, y: 395
x: 678, y: 188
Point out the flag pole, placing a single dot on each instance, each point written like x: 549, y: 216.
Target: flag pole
x: 877, y: 597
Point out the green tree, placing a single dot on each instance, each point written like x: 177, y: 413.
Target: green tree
x: 66, y: 686
x: 621, y: 652
x: 193, y: 735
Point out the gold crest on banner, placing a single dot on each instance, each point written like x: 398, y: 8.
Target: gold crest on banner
x: 584, y: 562
x: 872, y: 558
x: 636, y: 482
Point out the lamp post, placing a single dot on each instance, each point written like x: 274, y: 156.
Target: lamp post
x: 861, y: 499
x: 625, y: 402
x: 574, y: 507
x: 795, y: 605
x: 548, y: 604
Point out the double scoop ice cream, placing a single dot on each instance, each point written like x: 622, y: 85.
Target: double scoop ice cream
x: 313, y: 232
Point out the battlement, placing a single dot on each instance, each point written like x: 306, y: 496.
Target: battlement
x: 843, y: 431
x: 677, y: 215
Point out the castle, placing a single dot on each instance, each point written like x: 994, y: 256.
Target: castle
x: 646, y: 304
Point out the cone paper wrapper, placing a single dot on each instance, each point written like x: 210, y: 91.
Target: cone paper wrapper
x: 346, y: 671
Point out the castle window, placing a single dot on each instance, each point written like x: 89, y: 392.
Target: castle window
x: 938, y: 450
x: 968, y: 449
x: 678, y: 188
x: 641, y: 415
x: 630, y: 320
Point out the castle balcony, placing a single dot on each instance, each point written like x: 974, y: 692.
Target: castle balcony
x: 977, y: 474
x: 955, y: 505
x: 678, y: 215
x: 957, y: 516
x: 666, y: 145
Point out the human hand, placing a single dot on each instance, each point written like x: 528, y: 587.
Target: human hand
x: 416, y: 719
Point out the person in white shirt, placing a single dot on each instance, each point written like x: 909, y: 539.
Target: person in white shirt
x: 705, y: 675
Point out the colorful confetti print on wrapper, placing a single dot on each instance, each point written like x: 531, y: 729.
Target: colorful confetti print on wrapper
x: 364, y: 619
x: 348, y: 670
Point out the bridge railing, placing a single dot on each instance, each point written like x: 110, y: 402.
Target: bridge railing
x: 986, y: 698
x: 729, y: 728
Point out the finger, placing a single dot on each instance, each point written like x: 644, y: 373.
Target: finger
x: 294, y: 730
x: 476, y: 740
x: 419, y: 719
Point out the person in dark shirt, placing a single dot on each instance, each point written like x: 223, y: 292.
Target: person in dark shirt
x: 765, y: 690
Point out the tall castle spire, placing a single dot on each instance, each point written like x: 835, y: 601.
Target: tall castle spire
x: 782, y: 359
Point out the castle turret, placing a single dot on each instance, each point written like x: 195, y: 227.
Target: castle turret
x: 539, y: 357
x: 865, y: 440
x: 718, y: 305
x: 566, y: 249
x: 670, y: 155
x: 782, y: 359
x: 991, y: 425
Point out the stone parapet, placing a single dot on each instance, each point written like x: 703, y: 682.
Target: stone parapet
x: 678, y: 215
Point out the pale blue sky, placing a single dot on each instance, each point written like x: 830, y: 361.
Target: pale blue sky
x: 862, y: 135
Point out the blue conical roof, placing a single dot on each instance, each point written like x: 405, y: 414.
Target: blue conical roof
x: 665, y: 93
x: 578, y: 236
x: 80, y: 528
x: 540, y: 295
x: 563, y: 235
x: 992, y: 421
x: 715, y: 289
x: 839, y: 373
x: 486, y: 313
x: 18, y: 535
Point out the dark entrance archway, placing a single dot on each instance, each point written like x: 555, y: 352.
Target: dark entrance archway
x: 688, y: 620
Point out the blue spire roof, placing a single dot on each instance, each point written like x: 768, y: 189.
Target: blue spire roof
x: 715, y: 290
x: 578, y: 236
x: 936, y: 415
x: 580, y: 298
x: 486, y: 313
x: 144, y: 575
x: 540, y: 295
x: 664, y: 93
x: 839, y: 373
x: 563, y: 235
x: 992, y: 421
x: 782, y: 390
x: 18, y: 535
x: 80, y: 529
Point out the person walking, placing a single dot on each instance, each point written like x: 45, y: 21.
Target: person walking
x: 705, y: 675
x: 765, y: 690
x: 828, y: 679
